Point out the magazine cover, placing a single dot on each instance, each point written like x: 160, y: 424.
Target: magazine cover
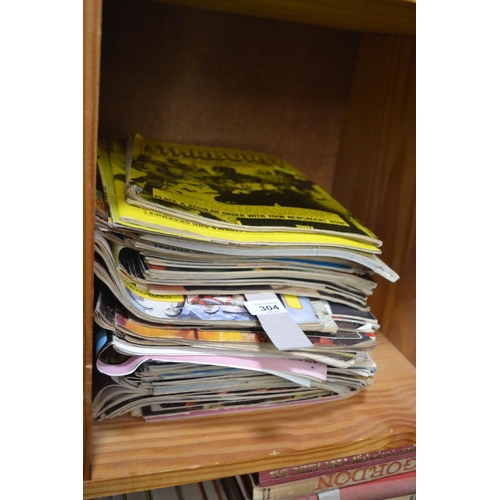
x: 153, y: 230
x: 232, y: 188
x: 124, y: 215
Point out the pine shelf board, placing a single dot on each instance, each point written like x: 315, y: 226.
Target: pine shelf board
x: 129, y: 454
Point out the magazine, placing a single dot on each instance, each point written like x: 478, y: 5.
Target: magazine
x: 118, y: 398
x: 155, y: 232
x: 111, y: 165
x: 159, y: 276
x: 232, y: 188
x: 110, y: 315
x: 337, y: 355
x: 159, y: 244
x: 189, y: 303
x: 166, y: 269
x: 229, y: 310
x: 160, y: 390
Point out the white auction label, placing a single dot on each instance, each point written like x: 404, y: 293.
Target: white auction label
x: 277, y: 322
x: 260, y: 307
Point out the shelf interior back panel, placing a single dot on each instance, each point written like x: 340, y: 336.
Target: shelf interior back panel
x: 378, y: 16
x: 219, y: 79
x: 130, y: 454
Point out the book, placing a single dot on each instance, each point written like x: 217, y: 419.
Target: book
x: 411, y: 496
x: 232, y: 188
x: 337, y: 464
x: 398, y: 487
x: 213, y: 490
x: 221, y: 491
x: 192, y: 491
x: 319, y: 484
x: 232, y: 488
x: 137, y: 495
x: 169, y: 493
x: 404, y: 497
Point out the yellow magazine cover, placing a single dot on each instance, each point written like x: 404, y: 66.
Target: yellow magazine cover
x: 111, y: 162
x: 231, y: 188
x: 153, y: 228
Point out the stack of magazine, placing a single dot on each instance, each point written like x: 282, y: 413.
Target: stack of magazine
x: 226, y: 281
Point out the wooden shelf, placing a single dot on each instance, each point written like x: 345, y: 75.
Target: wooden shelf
x: 375, y: 16
x: 129, y: 454
x: 333, y: 92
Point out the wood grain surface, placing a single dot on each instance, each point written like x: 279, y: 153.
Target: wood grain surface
x: 378, y: 16
x: 130, y: 455
x: 200, y: 77
x: 91, y: 58
x: 375, y: 174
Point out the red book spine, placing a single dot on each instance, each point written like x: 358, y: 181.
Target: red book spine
x: 332, y: 481
x: 287, y: 474
x: 379, y: 489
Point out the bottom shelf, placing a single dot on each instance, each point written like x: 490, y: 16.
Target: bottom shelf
x: 129, y: 454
